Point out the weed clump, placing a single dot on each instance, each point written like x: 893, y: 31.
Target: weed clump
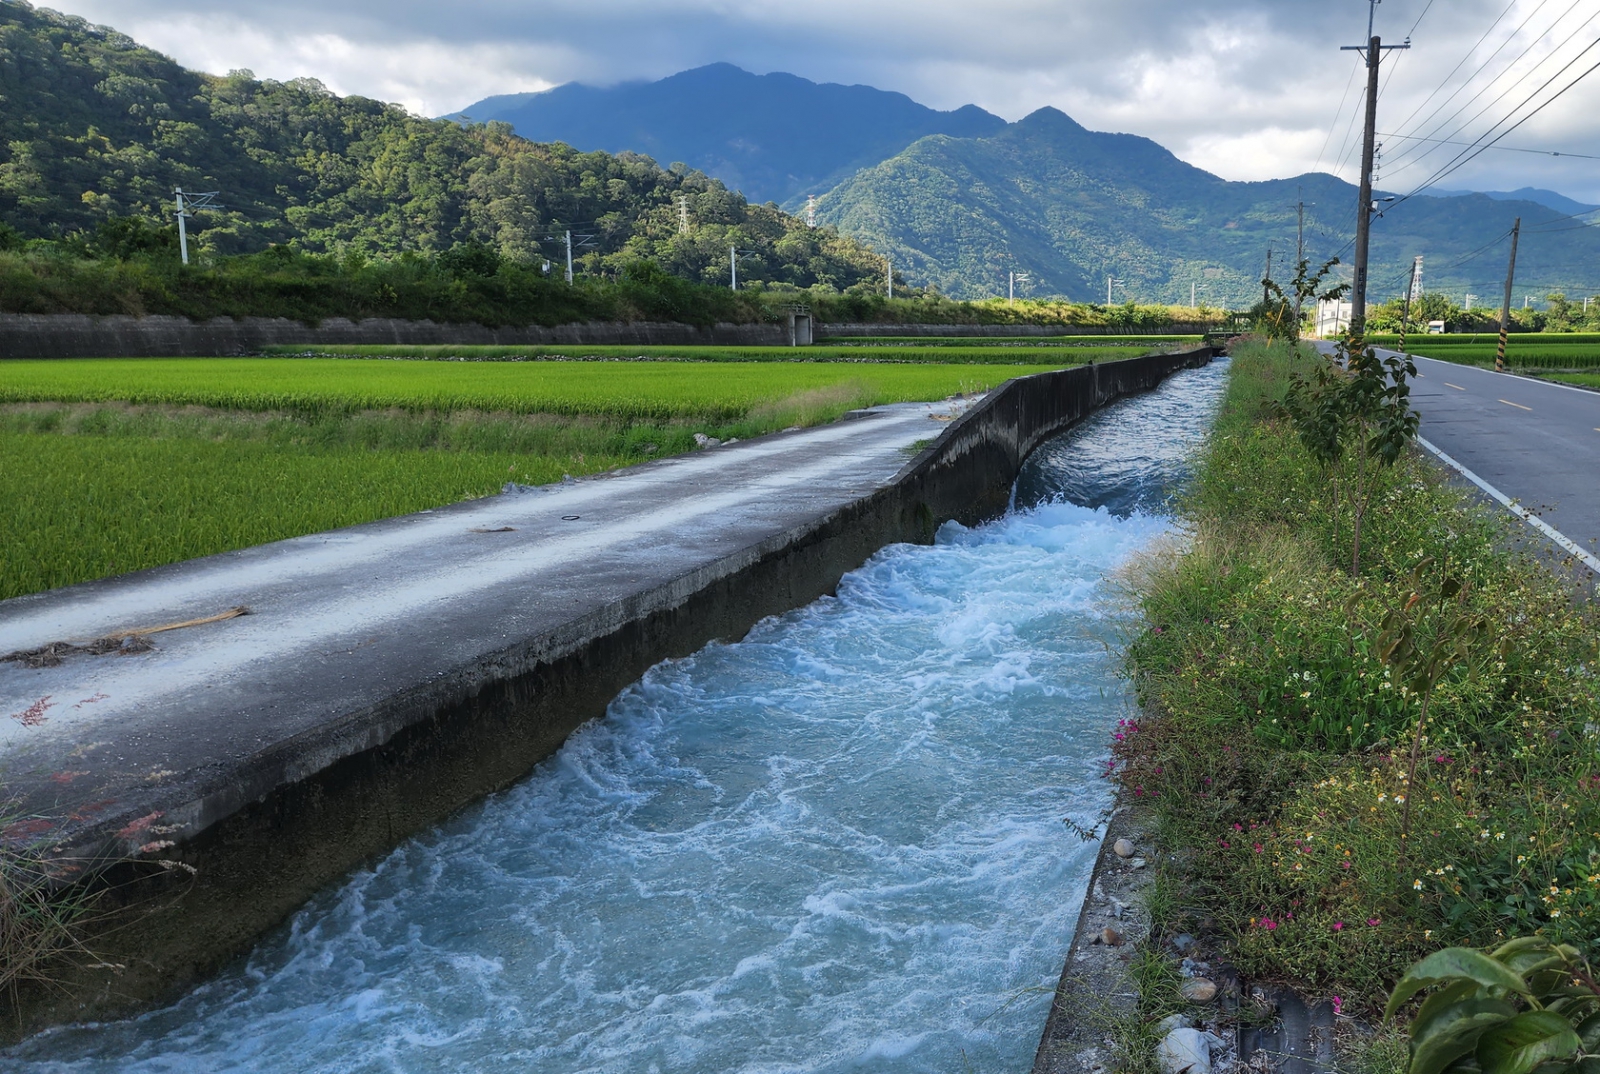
x: 1359, y: 761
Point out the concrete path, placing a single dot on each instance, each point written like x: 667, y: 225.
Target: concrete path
x: 1534, y: 443
x: 339, y: 621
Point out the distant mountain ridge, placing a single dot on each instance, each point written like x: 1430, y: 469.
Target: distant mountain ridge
x: 1072, y: 207
x: 774, y: 137
x: 1548, y: 198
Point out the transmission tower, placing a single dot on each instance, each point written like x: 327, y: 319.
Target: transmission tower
x: 811, y: 210
x: 683, y: 214
x: 186, y: 204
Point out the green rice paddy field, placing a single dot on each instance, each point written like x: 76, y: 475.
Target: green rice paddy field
x: 1564, y: 351
x: 108, y: 466
x: 1001, y: 351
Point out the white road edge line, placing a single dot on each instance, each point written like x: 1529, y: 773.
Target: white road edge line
x: 1497, y: 373
x: 1521, y: 512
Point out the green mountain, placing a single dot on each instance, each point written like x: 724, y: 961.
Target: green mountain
x: 1070, y: 207
x: 95, y: 127
x: 775, y: 137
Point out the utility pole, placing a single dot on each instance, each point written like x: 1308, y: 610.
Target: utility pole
x: 1471, y: 298
x: 1109, y: 282
x: 1374, y: 49
x: 888, y: 277
x: 1299, y: 252
x: 733, y: 265
x: 569, y: 255
x: 1266, y: 292
x: 183, y: 231
x: 1191, y: 295
x: 1505, y: 305
x: 1011, y: 291
x: 1300, y: 232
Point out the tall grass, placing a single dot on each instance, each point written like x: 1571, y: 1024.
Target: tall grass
x: 1274, y: 755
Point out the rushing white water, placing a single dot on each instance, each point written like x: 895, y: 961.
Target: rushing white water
x: 835, y: 845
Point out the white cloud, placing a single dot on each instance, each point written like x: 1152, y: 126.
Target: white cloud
x: 1245, y: 88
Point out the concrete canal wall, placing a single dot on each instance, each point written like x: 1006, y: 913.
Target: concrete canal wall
x: 410, y: 723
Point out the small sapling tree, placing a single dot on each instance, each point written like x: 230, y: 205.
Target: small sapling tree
x: 1277, y: 316
x: 1359, y: 402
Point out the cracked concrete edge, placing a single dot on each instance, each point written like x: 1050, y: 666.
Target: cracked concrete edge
x: 1095, y: 984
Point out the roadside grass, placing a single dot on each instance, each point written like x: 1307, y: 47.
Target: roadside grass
x: 1586, y: 380
x: 631, y: 391
x: 1273, y: 754
x: 867, y: 351
x: 115, y: 466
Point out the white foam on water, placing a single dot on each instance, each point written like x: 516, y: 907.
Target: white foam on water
x: 836, y: 845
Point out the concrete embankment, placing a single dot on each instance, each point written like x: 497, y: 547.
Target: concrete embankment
x: 390, y: 674
x: 998, y: 331
x: 119, y: 336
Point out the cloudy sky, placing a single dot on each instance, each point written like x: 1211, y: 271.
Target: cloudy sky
x: 1249, y: 89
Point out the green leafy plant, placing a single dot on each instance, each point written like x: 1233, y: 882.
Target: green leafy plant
x: 1361, y: 401
x: 1528, y: 1005
x: 1425, y: 637
x: 1277, y: 315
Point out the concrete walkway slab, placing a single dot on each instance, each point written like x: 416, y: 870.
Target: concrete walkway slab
x: 336, y: 618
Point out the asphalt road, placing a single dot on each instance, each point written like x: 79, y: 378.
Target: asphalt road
x: 1536, y: 442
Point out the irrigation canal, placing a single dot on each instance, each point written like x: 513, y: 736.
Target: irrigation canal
x: 834, y: 845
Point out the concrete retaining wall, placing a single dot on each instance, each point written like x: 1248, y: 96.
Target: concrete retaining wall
x: 992, y: 331
x: 82, y: 336
x: 463, y: 735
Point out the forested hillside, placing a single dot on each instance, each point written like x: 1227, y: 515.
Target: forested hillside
x: 94, y: 127
x: 1071, y: 207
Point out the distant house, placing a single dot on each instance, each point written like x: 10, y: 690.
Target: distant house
x: 1333, y: 317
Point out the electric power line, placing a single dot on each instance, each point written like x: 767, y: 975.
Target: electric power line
x: 1466, y: 156
x: 1459, y: 65
x: 1354, y: 70
x: 1424, y: 153
x: 1502, y: 148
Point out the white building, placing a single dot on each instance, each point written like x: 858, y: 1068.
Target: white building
x: 1332, y: 318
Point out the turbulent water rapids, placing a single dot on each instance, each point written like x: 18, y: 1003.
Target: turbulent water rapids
x: 836, y: 845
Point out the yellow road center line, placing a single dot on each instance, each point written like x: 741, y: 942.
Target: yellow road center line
x: 1519, y: 406
x: 1457, y: 387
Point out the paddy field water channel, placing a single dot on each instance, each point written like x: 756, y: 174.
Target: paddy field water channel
x: 834, y: 845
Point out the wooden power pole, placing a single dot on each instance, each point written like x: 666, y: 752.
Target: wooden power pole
x: 1374, y: 48
x: 1505, y: 306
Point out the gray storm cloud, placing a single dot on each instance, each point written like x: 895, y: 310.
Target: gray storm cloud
x: 1248, y: 88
